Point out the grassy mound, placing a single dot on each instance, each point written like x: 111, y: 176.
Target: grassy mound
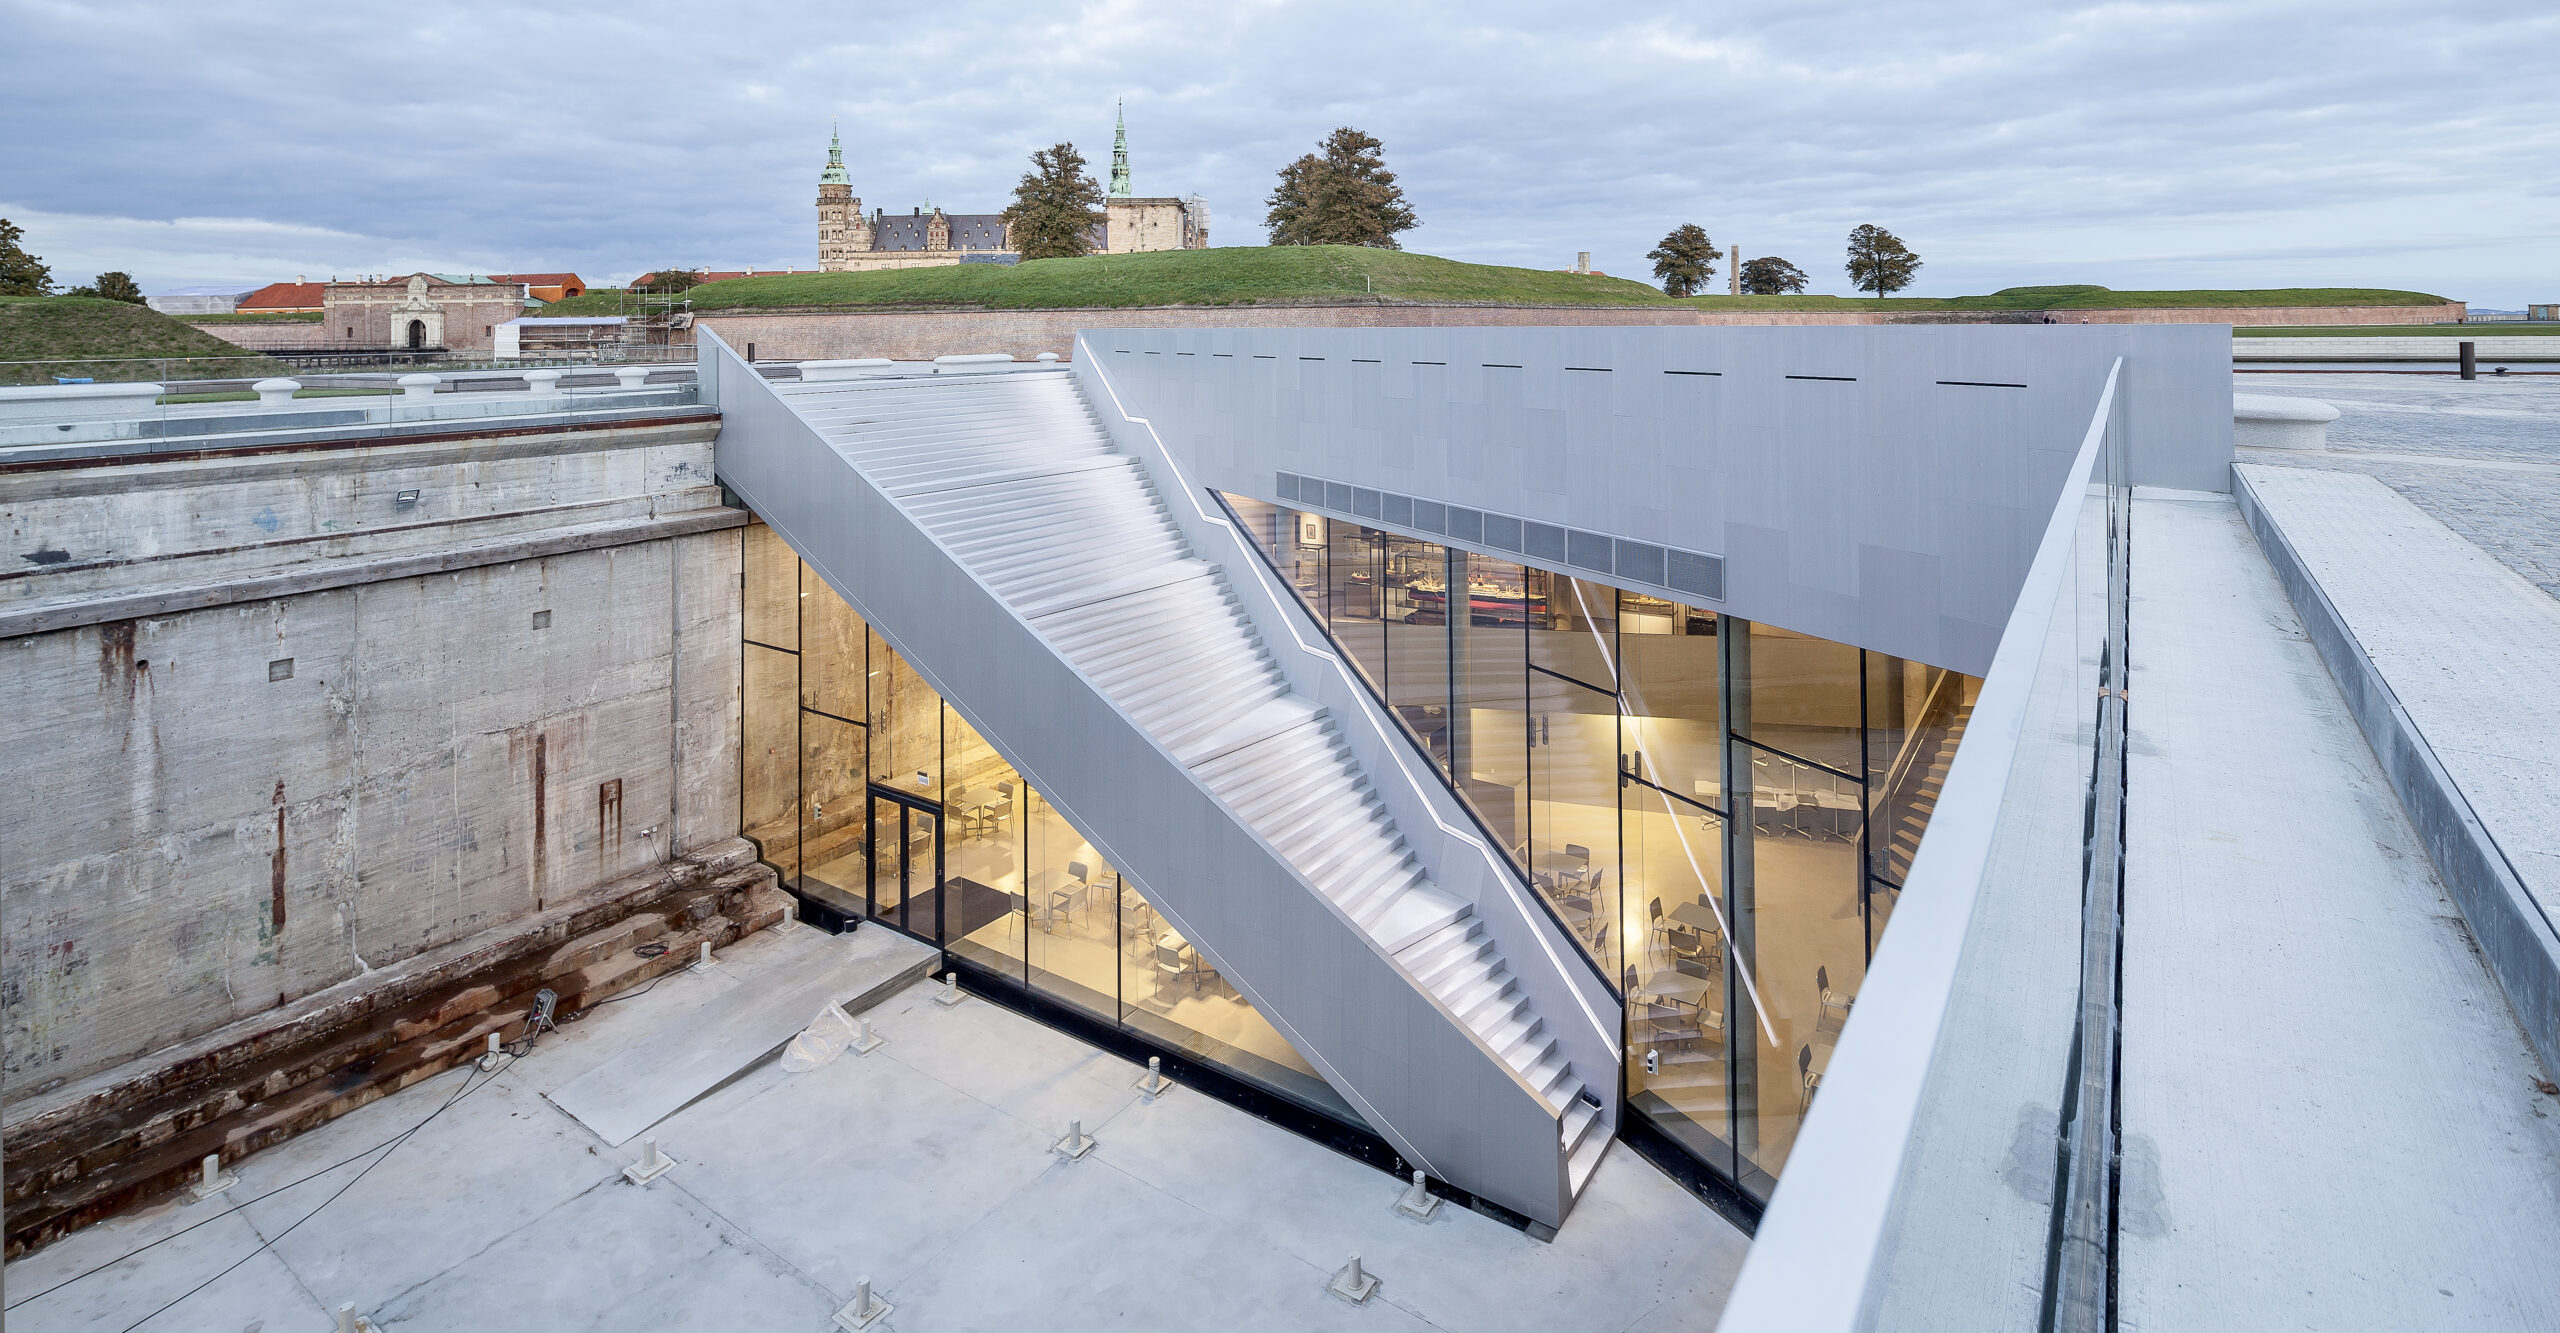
x: 1339, y: 275
x: 42, y: 337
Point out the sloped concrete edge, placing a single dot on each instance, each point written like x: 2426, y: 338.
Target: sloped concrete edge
x: 2522, y: 948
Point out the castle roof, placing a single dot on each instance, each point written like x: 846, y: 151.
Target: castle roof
x: 969, y: 231
x: 834, y: 173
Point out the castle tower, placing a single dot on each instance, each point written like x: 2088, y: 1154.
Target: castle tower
x: 1120, y: 154
x: 841, y: 231
x: 937, y: 231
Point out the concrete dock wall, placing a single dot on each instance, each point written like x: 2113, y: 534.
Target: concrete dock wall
x: 218, y: 810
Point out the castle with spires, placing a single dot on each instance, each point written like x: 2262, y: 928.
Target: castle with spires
x: 850, y: 240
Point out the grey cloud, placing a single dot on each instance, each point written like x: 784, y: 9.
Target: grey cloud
x: 2130, y: 144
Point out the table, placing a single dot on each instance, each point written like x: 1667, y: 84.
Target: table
x: 1047, y: 885
x: 1695, y: 916
x: 1560, y: 865
x: 1676, y: 988
x: 977, y: 803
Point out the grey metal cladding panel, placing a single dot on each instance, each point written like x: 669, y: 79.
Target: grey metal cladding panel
x: 1540, y: 541
x: 1285, y: 485
x: 1590, y: 550
x: 1890, y: 460
x: 1642, y: 563
x: 1502, y: 533
x: 1697, y: 575
x: 1431, y: 516
x: 1396, y: 511
x: 1364, y: 502
x: 1337, y: 496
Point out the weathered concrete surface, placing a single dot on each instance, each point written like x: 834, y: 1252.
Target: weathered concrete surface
x: 196, y: 836
x: 913, y: 335
x: 2330, y: 1116
x: 924, y: 1167
x: 2446, y: 659
x: 78, y: 530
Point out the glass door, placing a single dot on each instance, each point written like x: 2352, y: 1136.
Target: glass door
x: 906, y: 864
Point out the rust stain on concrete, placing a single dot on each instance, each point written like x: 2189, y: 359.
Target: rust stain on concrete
x: 541, y: 774
x: 275, y: 873
x: 608, y: 813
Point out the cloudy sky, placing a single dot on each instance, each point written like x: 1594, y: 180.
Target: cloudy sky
x: 2235, y: 144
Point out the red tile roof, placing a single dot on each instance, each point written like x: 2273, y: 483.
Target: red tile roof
x: 284, y: 296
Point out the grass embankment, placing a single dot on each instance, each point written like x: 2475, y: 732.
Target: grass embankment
x: 78, y: 336
x: 1351, y: 275
x: 2472, y: 331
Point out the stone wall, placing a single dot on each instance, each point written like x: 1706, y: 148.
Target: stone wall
x: 298, y: 336
x: 786, y: 335
x: 312, y: 787
x: 459, y: 317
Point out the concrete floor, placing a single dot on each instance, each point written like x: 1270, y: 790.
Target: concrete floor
x: 2330, y: 1117
x: 924, y: 1167
x: 2482, y: 457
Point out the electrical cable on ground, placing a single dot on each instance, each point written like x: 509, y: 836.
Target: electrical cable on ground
x: 526, y: 1043
x: 264, y: 1245
x: 537, y: 1024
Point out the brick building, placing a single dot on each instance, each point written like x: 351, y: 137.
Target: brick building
x: 545, y: 287
x: 442, y: 311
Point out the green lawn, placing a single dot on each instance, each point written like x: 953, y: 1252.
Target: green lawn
x: 2473, y: 331
x: 82, y: 336
x: 1332, y: 274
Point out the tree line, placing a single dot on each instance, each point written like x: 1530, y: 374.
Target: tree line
x: 23, y: 274
x: 1340, y: 194
x: 1686, y: 259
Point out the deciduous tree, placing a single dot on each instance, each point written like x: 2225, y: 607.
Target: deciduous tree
x: 1685, y: 260
x: 1771, y: 276
x: 1878, y: 260
x: 21, y: 274
x: 670, y: 280
x: 111, y: 287
x: 1055, y: 207
x: 1343, y: 195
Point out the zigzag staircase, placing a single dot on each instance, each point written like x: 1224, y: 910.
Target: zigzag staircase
x: 1011, y: 474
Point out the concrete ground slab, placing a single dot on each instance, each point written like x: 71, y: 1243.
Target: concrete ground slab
x: 803, y: 972
x: 618, y: 1257
x: 924, y: 1166
x: 500, y: 1151
x: 263, y: 1288
x: 2329, y: 1113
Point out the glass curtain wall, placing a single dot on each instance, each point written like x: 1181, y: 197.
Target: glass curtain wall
x: 1720, y: 812
x: 874, y: 799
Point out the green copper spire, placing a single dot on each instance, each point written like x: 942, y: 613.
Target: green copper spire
x: 1120, y: 154
x: 834, y: 174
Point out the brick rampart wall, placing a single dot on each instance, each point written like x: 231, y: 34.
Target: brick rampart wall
x: 279, y: 337
x: 921, y: 334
